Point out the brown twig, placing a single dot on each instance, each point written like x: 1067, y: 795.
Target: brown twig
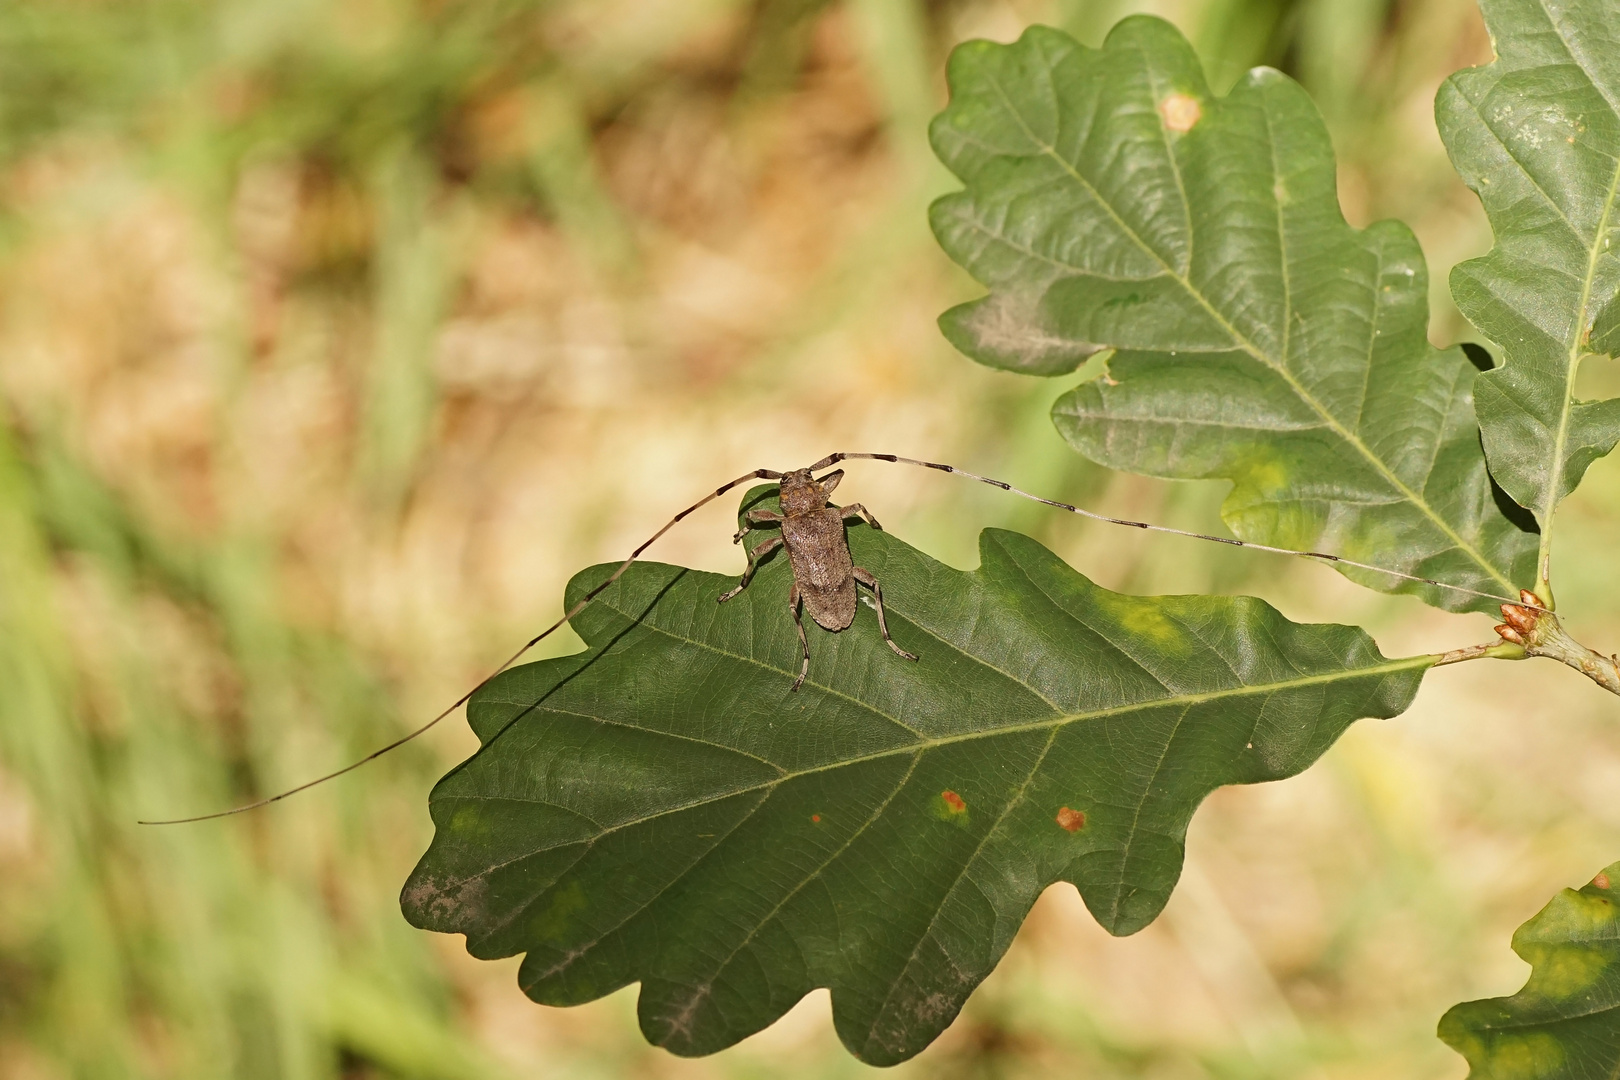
x: 1538, y: 631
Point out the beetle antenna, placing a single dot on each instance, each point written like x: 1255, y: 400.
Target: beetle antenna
x: 757, y: 474
x: 1320, y: 556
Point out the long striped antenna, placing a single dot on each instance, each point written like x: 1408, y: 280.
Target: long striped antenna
x: 769, y: 474
x: 757, y: 474
x: 1322, y: 556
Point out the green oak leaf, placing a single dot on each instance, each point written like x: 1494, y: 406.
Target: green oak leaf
x: 1112, y: 201
x: 661, y: 808
x: 1565, y: 1023
x: 1605, y: 336
x: 1536, y: 134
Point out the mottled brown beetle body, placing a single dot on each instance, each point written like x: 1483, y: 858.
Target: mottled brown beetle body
x: 824, y: 574
x: 819, y: 551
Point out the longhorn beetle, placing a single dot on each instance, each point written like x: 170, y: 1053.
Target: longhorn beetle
x: 824, y: 574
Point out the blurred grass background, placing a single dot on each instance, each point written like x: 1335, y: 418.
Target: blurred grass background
x: 335, y: 336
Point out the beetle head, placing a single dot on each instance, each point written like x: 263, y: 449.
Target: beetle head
x: 802, y: 493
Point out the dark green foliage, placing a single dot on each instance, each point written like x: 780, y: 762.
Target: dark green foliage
x: 660, y: 808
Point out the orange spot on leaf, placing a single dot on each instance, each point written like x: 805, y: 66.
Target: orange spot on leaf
x: 815, y: 817
x: 1071, y: 820
x: 954, y: 802
x: 1601, y: 881
x: 1180, y: 112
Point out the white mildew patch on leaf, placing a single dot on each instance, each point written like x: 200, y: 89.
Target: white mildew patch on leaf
x: 662, y: 809
x: 1565, y: 1023
x: 1112, y: 201
x: 1536, y: 134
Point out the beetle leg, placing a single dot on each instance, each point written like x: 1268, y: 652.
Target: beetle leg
x: 865, y: 578
x: 857, y: 510
x: 753, y: 564
x: 756, y: 517
x: 794, y: 599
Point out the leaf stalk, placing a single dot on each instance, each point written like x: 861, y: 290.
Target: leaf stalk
x: 1501, y: 650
